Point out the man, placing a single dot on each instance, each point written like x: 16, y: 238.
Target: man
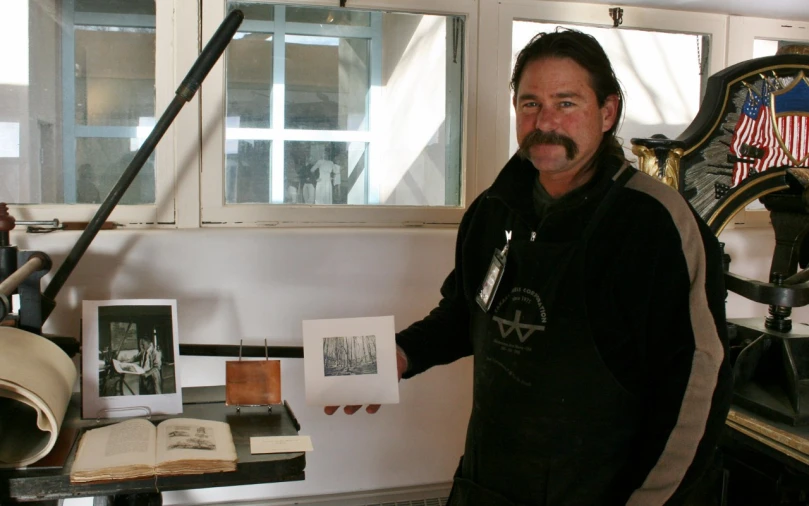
x: 86, y: 189
x: 150, y: 361
x: 591, y: 297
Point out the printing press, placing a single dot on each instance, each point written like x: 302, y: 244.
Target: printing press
x: 750, y: 142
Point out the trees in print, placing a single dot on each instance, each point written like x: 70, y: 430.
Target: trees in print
x: 349, y: 355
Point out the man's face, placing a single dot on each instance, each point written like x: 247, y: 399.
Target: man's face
x: 142, y: 345
x: 554, y: 98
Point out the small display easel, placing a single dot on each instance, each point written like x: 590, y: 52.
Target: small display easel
x: 253, y: 382
x: 103, y: 413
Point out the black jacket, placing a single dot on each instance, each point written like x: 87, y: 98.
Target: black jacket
x: 655, y: 300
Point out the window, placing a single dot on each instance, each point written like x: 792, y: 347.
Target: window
x: 80, y: 96
x: 317, y: 114
x: 757, y: 37
x: 766, y: 47
x: 327, y: 110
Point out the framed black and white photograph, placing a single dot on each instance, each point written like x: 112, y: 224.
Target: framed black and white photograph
x: 129, y: 358
x: 350, y: 361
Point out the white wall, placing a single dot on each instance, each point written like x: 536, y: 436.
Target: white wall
x: 751, y: 251
x: 415, y: 105
x: 259, y: 283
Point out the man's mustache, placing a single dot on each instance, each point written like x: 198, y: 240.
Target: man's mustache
x: 538, y: 137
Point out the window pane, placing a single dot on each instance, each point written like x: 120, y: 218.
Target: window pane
x: 257, y: 11
x: 247, y: 173
x: 661, y: 74
x: 327, y: 83
x: 346, y: 87
x: 115, y: 6
x: 107, y: 92
x: 325, y: 173
x: 101, y: 161
x: 114, y: 102
x: 317, y: 16
x: 764, y: 47
x: 249, y: 90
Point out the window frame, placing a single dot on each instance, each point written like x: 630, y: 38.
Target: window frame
x: 743, y: 31
x: 214, y: 211
x: 495, y: 54
x: 162, y: 212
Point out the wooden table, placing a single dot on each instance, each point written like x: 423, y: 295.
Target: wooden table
x: 766, y: 462
x: 51, y: 484
x: 789, y: 445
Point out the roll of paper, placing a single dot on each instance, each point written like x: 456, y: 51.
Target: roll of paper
x: 36, y: 382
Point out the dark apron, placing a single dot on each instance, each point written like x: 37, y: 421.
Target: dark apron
x: 550, y: 424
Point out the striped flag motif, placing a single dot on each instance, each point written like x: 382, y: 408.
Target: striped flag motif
x: 759, y: 143
x: 790, y: 108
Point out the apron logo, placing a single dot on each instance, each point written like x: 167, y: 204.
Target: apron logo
x: 509, y: 326
x: 523, y: 302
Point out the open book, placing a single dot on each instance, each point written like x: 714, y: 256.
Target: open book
x: 137, y: 449
x: 127, y: 367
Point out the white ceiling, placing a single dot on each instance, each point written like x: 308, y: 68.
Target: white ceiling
x: 792, y: 10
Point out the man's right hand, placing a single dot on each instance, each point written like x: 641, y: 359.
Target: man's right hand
x: 401, y: 367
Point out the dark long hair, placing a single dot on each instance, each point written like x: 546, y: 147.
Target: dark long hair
x: 586, y: 51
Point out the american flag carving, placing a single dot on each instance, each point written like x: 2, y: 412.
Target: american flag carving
x: 790, y: 113
x: 764, y: 138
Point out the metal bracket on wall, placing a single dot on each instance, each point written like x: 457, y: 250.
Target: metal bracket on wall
x: 617, y: 15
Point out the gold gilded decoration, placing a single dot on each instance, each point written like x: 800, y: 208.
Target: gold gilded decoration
x: 739, y: 200
x: 794, y: 49
x: 647, y: 163
x: 672, y: 170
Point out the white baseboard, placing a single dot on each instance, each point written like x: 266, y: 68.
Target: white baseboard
x: 422, y: 495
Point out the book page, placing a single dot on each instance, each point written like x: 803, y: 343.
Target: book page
x: 122, y: 444
x: 36, y: 382
x: 127, y: 367
x: 192, y: 439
